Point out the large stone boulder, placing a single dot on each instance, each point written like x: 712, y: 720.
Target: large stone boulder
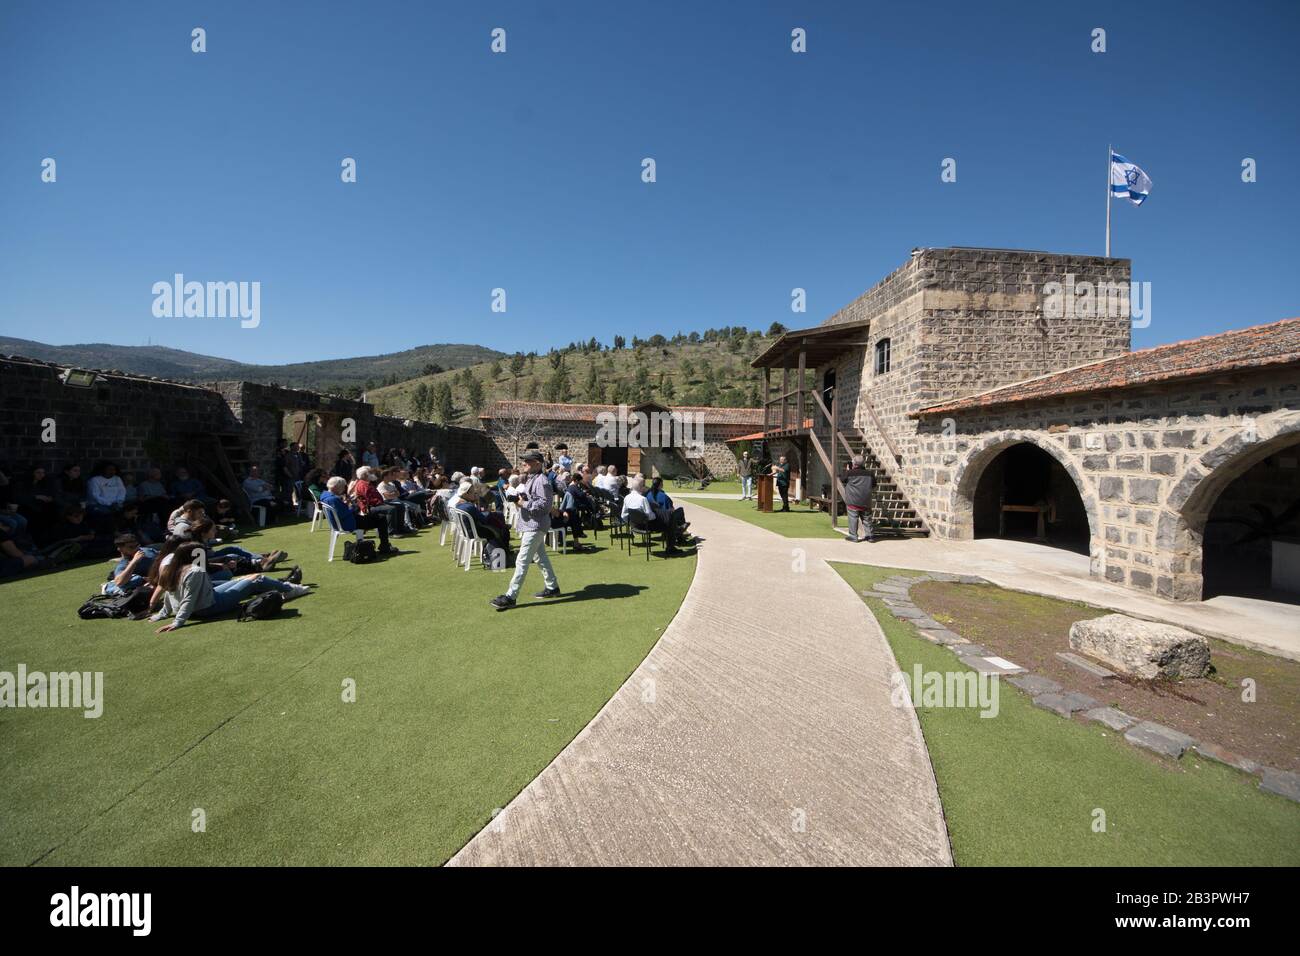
x: 1142, y: 648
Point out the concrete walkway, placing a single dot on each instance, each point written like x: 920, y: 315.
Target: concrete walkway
x: 1024, y: 566
x: 758, y: 731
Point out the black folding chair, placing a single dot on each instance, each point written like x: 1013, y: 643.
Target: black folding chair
x: 639, y: 524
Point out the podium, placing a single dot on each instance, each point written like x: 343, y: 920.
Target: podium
x: 764, y: 492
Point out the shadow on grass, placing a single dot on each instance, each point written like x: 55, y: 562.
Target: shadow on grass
x: 592, y: 592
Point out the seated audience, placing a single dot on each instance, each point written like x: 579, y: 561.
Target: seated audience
x: 14, y: 559
x: 72, y: 487
x: 260, y: 493
x: 351, y: 518
x: 370, y: 501
x: 636, y: 503
x: 152, y: 496
x: 663, y: 506
x: 183, y: 488
x: 490, y: 527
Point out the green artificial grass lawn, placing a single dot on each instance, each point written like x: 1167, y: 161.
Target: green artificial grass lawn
x: 457, y: 708
x: 1021, y: 788
x: 798, y: 522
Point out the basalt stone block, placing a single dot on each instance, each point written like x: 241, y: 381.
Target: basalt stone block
x: 1085, y: 665
x: 1159, y: 738
x: 1282, y: 782
x: 1035, y: 684
x: 1112, y: 717
x: 945, y: 637
x: 1142, y: 649
x: 1223, y: 755
x: 905, y: 612
x: 1064, y: 704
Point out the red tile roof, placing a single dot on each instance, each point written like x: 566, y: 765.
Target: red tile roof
x: 564, y: 412
x: 1259, y: 347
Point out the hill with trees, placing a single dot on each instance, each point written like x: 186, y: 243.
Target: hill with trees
x: 699, y: 368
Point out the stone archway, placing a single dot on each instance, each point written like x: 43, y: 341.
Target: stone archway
x: 967, y: 475
x: 1181, y: 525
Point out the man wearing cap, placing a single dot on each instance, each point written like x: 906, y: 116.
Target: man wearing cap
x: 536, y: 497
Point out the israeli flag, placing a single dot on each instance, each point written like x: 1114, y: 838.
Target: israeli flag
x: 1127, y: 181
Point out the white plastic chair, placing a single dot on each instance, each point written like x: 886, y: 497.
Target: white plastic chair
x: 336, y: 531
x: 318, y: 512
x: 468, y: 544
x: 557, y: 538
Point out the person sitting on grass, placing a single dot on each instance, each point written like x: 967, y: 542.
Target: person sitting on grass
x: 182, y: 519
x: 236, y: 559
x: 183, y: 487
x: 635, y: 502
x: 189, y: 592
x: 224, y: 518
x: 105, y: 493
x: 132, y: 568
x: 350, y: 517
x: 74, y: 530
x: 14, y: 559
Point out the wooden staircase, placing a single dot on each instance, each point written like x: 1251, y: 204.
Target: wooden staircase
x: 219, y: 458
x: 891, y: 513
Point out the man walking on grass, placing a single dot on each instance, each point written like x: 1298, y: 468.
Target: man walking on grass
x: 535, y: 501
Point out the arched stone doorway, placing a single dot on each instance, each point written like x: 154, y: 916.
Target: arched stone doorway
x: 1234, y: 518
x: 1015, y: 485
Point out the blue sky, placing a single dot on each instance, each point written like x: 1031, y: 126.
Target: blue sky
x: 522, y: 170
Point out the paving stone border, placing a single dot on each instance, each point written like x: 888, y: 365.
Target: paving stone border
x: 894, y: 594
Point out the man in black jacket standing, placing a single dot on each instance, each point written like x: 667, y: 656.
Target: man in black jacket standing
x: 857, y: 499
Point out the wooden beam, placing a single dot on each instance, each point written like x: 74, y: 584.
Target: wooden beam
x: 785, y: 408
x: 834, y: 457
x: 802, y: 382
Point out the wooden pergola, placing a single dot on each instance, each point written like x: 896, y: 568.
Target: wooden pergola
x: 797, y: 410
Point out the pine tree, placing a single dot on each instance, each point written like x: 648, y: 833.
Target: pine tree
x: 516, y: 364
x: 474, y: 393
x: 592, y: 390
x: 443, y: 409
x: 422, y: 402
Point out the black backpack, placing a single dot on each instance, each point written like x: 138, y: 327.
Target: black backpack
x: 108, y: 606
x: 364, y: 552
x: 263, y: 606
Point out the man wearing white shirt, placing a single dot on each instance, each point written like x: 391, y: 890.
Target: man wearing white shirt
x: 637, y: 501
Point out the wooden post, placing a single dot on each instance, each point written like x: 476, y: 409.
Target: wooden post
x: 767, y: 398
x: 835, y: 447
x: 785, y: 401
x: 799, y: 400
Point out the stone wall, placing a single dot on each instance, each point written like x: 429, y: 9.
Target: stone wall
x: 1148, y: 467
x: 133, y: 421
x: 959, y: 322
x: 138, y: 422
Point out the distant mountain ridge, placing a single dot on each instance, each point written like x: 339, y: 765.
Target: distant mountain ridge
x: 327, y: 375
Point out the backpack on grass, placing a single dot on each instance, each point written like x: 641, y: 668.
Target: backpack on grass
x: 363, y: 552
x: 262, y: 607
x: 109, y: 606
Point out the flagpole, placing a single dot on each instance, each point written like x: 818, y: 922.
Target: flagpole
x: 1109, y: 153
